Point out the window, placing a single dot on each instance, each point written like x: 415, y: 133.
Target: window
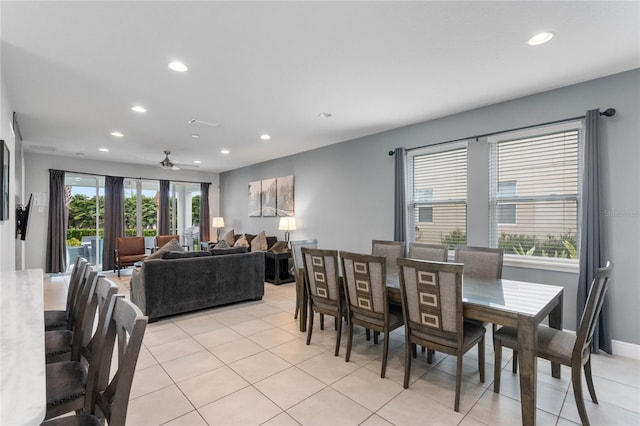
x: 534, y: 192
x: 437, y: 180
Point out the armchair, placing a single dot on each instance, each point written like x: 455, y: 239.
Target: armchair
x: 129, y: 250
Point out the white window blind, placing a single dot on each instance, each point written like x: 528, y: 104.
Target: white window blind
x: 438, y: 194
x: 534, y: 192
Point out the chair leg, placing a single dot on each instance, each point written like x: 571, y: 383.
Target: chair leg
x: 321, y: 321
x: 375, y: 337
x: 310, y: 325
x: 481, y: 359
x: 514, y: 362
x: 576, y: 381
x: 497, y: 364
x: 456, y: 405
x: 349, y: 341
x: 430, y: 355
x: 587, y: 374
x: 407, y: 362
x: 385, y: 353
x: 414, y: 352
x: 367, y: 334
x: 338, y: 333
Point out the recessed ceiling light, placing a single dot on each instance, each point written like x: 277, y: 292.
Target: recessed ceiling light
x: 197, y: 161
x: 117, y: 134
x: 540, y: 38
x: 265, y: 137
x: 325, y: 115
x: 138, y: 108
x: 178, y: 66
x: 224, y: 151
x: 103, y: 149
x: 195, y: 135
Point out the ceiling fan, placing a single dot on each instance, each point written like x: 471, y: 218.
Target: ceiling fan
x: 167, y: 164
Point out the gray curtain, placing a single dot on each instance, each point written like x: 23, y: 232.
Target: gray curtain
x: 400, y: 197
x: 113, y: 218
x: 163, y: 209
x: 591, y: 237
x: 57, y: 230
x: 204, y: 212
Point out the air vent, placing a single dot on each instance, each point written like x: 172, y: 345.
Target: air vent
x: 203, y: 123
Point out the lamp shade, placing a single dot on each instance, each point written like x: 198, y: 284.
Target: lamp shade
x: 287, y: 224
x: 217, y: 222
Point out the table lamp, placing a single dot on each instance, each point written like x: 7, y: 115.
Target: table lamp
x: 217, y: 222
x: 287, y: 224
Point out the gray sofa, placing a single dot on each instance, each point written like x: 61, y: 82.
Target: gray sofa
x: 169, y: 286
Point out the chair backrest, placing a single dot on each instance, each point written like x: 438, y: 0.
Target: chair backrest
x: 365, y: 280
x: 431, y: 295
x: 323, y: 279
x: 74, y: 282
x: 390, y: 250
x: 102, y: 291
x: 592, y: 309
x: 81, y: 293
x: 161, y: 240
x: 130, y: 245
x: 124, y: 327
x: 480, y: 262
x: 431, y: 252
x: 296, y: 253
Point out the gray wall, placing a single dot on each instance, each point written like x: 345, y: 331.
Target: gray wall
x: 37, y: 182
x: 344, y: 192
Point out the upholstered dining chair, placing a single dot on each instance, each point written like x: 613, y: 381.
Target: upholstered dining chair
x: 430, y: 252
x: 390, y: 250
x: 129, y: 250
x: 566, y: 348
x: 482, y: 263
x: 298, y: 272
x: 365, y: 279
x: 161, y: 240
x: 321, y: 270
x: 431, y: 295
x: 59, y: 319
x: 107, y: 394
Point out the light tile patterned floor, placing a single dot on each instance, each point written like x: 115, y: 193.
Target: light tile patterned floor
x: 247, y: 364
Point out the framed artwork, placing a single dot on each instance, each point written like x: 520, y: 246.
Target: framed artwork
x: 284, y: 203
x: 269, y: 197
x: 255, y: 191
x: 4, y: 181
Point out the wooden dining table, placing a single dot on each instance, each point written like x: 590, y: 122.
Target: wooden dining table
x: 22, y: 359
x: 518, y: 304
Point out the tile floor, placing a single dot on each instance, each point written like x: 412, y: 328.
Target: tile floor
x: 247, y: 364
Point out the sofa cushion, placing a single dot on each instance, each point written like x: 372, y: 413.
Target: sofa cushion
x: 241, y: 242
x: 229, y: 250
x: 279, y: 247
x: 259, y: 243
x: 271, y: 241
x: 172, y: 245
x: 181, y: 254
x: 230, y: 237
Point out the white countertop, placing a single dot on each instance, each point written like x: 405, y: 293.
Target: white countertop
x: 22, y: 358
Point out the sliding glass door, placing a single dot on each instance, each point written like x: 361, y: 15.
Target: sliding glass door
x: 84, y: 201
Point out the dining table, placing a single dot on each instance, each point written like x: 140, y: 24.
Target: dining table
x: 22, y: 354
x: 518, y: 304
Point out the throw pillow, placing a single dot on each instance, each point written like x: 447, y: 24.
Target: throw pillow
x: 222, y: 245
x: 229, y: 237
x: 259, y: 243
x: 172, y: 245
x: 241, y: 242
x: 279, y: 247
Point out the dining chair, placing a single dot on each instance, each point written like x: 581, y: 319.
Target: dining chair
x: 107, y: 393
x: 365, y: 279
x: 298, y: 271
x: 431, y: 295
x: 431, y: 252
x: 129, y: 250
x: 58, y: 344
x: 390, y: 250
x: 59, y: 319
x: 321, y: 271
x: 481, y: 262
x: 566, y: 348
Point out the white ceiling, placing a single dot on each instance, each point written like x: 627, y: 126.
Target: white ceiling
x: 73, y: 69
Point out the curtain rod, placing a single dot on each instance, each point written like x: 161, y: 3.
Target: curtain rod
x: 129, y: 177
x: 609, y: 112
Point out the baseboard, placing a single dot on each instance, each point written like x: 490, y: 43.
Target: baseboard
x: 627, y: 350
